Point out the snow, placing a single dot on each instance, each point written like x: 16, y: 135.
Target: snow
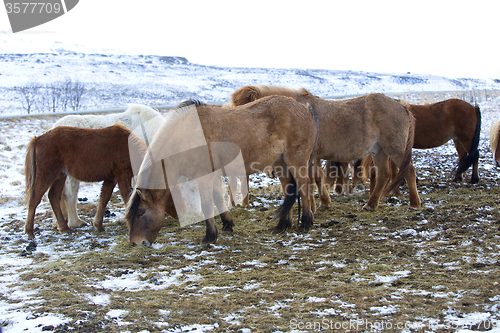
x: 153, y: 76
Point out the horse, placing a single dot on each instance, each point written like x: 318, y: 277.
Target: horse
x: 89, y: 155
x: 494, y: 137
x: 349, y: 130
x: 436, y: 124
x: 135, y: 117
x: 200, y: 141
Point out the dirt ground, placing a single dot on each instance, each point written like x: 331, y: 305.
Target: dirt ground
x: 392, y: 270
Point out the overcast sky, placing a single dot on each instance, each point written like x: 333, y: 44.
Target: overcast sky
x: 449, y: 38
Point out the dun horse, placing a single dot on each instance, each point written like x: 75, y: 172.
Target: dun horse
x: 436, y: 124
x: 494, y: 138
x: 271, y: 131
x: 85, y: 154
x: 350, y: 129
x: 136, y: 116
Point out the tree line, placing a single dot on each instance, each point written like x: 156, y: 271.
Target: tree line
x: 56, y: 96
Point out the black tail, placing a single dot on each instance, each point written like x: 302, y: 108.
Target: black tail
x: 291, y: 194
x: 473, y: 155
x: 291, y: 190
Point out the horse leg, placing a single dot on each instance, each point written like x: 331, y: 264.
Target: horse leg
x: 285, y: 221
x: 304, y: 189
x: 411, y: 180
x: 394, y: 171
x: 344, y: 178
x: 220, y: 203
x: 70, y: 197
x: 207, y: 206
x: 55, y: 194
x: 232, y: 189
x: 461, y: 153
x: 331, y: 174
x: 38, y: 190
x: 319, y: 179
x: 245, y: 201
x: 124, y: 187
x: 381, y: 167
x: 106, y: 192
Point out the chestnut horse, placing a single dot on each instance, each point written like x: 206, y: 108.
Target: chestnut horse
x: 89, y: 155
x: 494, y: 138
x: 349, y: 130
x: 271, y: 131
x: 436, y: 124
x: 136, y: 116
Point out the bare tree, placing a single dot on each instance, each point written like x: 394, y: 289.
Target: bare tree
x: 29, y: 93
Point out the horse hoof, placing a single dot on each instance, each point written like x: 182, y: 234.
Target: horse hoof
x: 65, y: 231
x: 322, y: 207
x: 206, y: 241
x: 227, y: 231
x: 78, y: 224
x: 277, y: 231
x: 304, y: 229
x: 367, y: 208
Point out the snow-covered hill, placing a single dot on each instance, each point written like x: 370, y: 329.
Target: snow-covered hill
x: 111, y: 80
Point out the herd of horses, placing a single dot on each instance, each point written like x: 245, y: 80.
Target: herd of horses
x: 291, y: 132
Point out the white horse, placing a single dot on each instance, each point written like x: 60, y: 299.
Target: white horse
x: 138, y: 118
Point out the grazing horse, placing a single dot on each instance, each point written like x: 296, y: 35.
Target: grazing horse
x: 437, y: 123
x: 494, y: 138
x: 349, y: 130
x: 89, y: 155
x: 135, y: 117
x: 203, y: 140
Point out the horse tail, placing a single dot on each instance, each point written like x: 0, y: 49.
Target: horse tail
x: 291, y: 190
x: 405, y: 164
x: 245, y: 95
x: 494, y: 138
x: 30, y: 169
x: 473, y: 154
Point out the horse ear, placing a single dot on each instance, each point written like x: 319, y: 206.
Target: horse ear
x: 141, y: 194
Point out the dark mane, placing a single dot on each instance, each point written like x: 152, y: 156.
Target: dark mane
x: 195, y: 102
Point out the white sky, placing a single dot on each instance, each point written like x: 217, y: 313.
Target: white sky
x: 450, y: 38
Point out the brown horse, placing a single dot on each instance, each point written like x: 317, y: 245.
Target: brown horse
x: 89, y: 155
x: 199, y: 140
x: 436, y: 124
x: 494, y: 138
x: 351, y: 129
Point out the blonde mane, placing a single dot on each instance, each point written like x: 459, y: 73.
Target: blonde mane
x: 249, y: 94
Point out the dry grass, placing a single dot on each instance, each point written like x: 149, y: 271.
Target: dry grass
x: 417, y: 267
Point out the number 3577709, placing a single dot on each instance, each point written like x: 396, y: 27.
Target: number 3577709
x: 33, y: 7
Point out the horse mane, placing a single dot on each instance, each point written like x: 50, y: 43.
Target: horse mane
x: 145, y: 111
x: 249, y: 94
x: 494, y: 136
x: 134, y: 116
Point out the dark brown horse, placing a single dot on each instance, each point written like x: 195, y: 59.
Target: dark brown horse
x: 89, y: 155
x: 199, y: 141
x: 350, y: 129
x: 436, y: 124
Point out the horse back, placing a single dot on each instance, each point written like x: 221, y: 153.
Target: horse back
x: 89, y: 155
x: 439, y: 122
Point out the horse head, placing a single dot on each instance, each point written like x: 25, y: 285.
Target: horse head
x: 145, y: 215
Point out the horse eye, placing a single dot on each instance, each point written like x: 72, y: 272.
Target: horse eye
x: 141, y: 213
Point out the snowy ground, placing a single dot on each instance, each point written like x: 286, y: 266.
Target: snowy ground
x: 103, y: 293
